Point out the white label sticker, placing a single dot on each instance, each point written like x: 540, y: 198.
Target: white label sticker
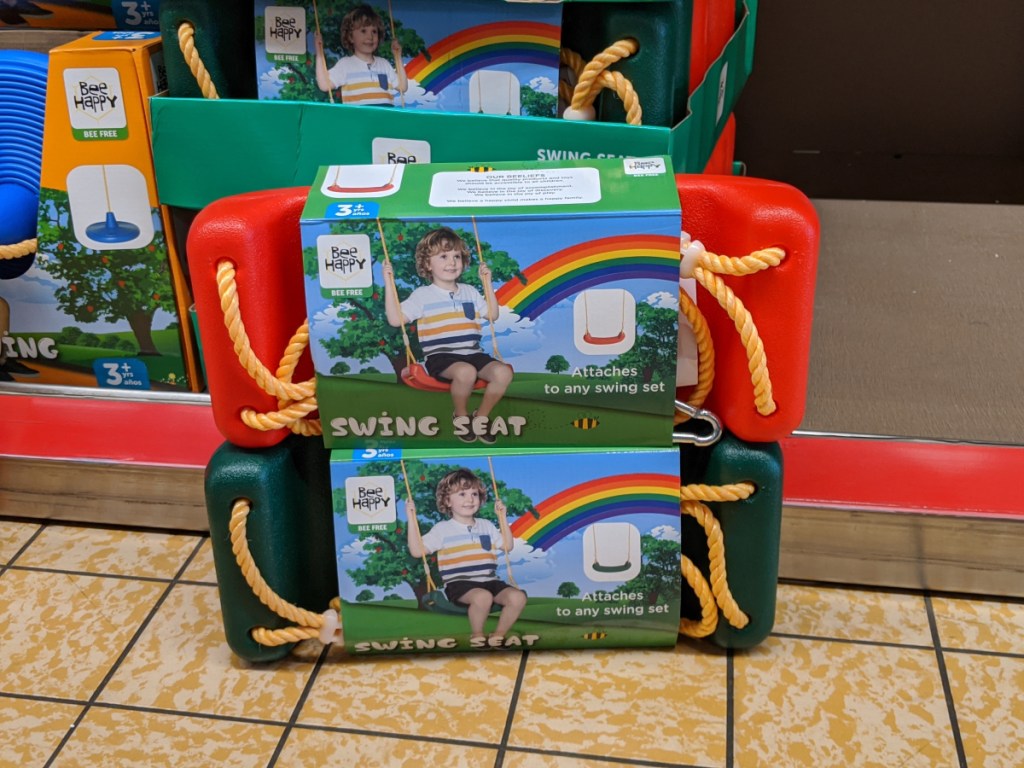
x: 285, y: 30
x: 370, y: 500
x: 344, y: 261
x: 560, y: 186
x: 400, y: 151
x: 644, y: 166
x: 94, y: 98
x: 723, y: 80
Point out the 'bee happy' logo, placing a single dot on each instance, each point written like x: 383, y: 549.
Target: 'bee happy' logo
x: 95, y: 103
x: 344, y: 265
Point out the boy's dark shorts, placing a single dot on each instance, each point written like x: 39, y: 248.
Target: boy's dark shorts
x: 456, y: 589
x: 438, y: 364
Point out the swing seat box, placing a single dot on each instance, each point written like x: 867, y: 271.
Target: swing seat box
x: 105, y: 301
x: 468, y: 56
x: 96, y: 14
x: 596, y: 547
x: 584, y: 262
x: 207, y: 149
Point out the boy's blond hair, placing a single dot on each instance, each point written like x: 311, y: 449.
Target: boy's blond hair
x: 360, y: 16
x: 440, y: 239
x: 457, y: 480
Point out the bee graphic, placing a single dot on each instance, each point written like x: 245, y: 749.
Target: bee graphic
x: 586, y: 422
x: 596, y: 635
x: 481, y: 168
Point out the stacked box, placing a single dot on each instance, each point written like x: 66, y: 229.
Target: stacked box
x: 105, y: 303
x: 477, y: 56
x: 569, y: 280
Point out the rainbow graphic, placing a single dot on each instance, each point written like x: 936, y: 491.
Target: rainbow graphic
x: 485, y: 45
x: 586, y: 503
x: 585, y: 265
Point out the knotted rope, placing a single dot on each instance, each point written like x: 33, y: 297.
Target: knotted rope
x: 295, y: 401
x: 17, y: 250
x: 186, y: 42
x: 590, y: 78
x: 716, y: 595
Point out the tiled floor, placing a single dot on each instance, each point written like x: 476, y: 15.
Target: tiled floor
x: 112, y: 654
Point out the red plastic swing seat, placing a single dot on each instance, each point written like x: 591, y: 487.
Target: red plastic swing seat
x: 599, y: 340
x: 416, y: 376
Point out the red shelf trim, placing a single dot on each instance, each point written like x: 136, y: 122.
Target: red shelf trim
x: 819, y: 471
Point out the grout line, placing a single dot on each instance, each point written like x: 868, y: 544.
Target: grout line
x: 947, y: 690
x: 398, y: 736
x: 603, y: 759
x: 730, y: 707
x: 851, y: 641
x: 181, y: 713
x: 93, y: 575
x: 513, y: 702
x: 303, y: 697
x: 123, y: 655
x: 978, y: 652
x: 35, y: 535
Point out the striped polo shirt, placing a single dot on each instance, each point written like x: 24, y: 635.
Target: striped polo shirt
x: 446, y: 321
x: 465, y: 553
x: 363, y: 83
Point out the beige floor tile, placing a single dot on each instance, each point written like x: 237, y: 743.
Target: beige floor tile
x: 811, y: 703
x: 977, y: 625
x: 31, y: 730
x: 664, y: 705
x: 126, y: 739
x: 850, y: 614
x: 460, y: 696
x: 202, y: 568
x: 182, y: 662
x: 312, y: 748
x: 101, y: 550
x: 515, y: 759
x: 62, y: 633
x: 13, y: 536
x: 989, y: 695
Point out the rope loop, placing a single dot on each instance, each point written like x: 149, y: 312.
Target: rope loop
x: 584, y: 81
x: 295, y: 401
x: 692, y: 504
x: 17, y: 250
x: 309, y: 624
x: 706, y: 272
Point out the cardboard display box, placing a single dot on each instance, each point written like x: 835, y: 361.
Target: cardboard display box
x: 105, y: 302
x: 583, y: 261
x: 474, y: 56
x: 593, y: 545
x: 208, y: 149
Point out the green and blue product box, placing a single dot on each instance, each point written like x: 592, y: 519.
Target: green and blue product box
x: 584, y: 268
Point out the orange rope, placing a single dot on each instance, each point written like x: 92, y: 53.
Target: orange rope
x: 186, y: 42
x: 17, y: 250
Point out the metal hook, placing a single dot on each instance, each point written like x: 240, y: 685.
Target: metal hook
x: 690, y: 437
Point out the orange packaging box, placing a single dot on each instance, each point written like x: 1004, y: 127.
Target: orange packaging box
x: 106, y: 302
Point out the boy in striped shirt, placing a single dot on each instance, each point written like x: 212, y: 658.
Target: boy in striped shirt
x: 448, y: 317
x: 467, y: 549
x: 363, y: 76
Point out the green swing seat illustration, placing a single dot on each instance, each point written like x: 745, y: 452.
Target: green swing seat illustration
x: 611, y: 568
x: 434, y: 599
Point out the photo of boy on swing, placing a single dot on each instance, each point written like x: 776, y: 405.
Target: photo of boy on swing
x: 362, y: 75
x: 467, y: 553
x: 447, y: 314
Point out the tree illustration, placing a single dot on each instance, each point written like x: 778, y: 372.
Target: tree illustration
x: 298, y: 79
x: 387, y: 563
x: 365, y: 333
x: 659, y: 577
x: 556, y: 364
x: 568, y: 590
x: 655, y: 336
x: 108, y: 285
x: 537, y: 103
